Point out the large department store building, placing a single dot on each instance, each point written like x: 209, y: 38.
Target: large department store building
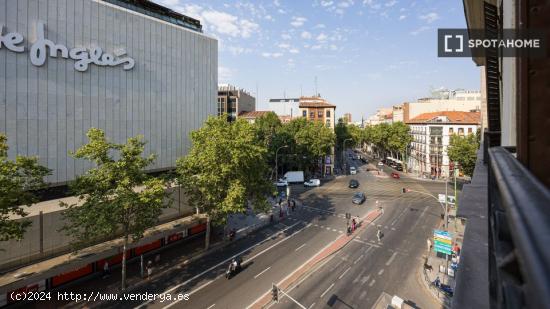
x: 128, y: 67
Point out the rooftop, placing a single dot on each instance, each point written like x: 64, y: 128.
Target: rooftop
x: 152, y: 9
x: 315, y: 102
x: 451, y: 117
x: 254, y: 114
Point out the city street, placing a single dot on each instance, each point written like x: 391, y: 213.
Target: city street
x: 355, y: 276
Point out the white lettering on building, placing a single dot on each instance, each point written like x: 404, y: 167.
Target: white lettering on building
x: 42, y: 48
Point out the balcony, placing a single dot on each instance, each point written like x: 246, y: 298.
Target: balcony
x: 505, y: 260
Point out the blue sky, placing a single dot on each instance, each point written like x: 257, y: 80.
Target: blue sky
x: 366, y: 54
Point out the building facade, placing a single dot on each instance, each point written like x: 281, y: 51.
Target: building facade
x: 431, y: 134
x: 318, y: 109
x: 347, y: 118
x: 234, y: 101
x: 128, y: 68
x: 285, y: 107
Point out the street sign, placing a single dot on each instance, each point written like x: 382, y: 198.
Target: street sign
x: 450, y: 199
x: 443, y: 242
x: 441, y: 198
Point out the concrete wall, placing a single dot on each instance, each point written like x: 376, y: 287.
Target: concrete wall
x: 15, y: 253
x: 46, y: 110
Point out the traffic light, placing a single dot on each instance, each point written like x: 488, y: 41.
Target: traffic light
x: 275, y: 293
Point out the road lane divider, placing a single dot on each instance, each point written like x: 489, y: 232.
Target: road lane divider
x: 170, y: 290
x: 263, y: 271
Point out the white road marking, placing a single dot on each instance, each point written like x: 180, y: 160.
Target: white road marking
x: 344, y: 273
x: 263, y: 271
x: 372, y: 282
x: 381, y: 272
x: 360, y: 257
x: 311, y: 306
x: 211, y: 306
x: 223, y: 262
x: 326, y: 291
x: 365, y: 279
x: 391, y: 259
x: 334, y: 230
x: 299, y: 247
x: 363, y: 295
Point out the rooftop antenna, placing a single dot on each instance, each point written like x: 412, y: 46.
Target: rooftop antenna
x: 316, y: 93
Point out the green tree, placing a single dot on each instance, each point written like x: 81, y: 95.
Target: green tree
x: 399, y: 138
x: 266, y: 129
x: 18, y: 180
x: 225, y: 169
x: 315, y: 141
x: 116, y: 197
x: 463, y: 149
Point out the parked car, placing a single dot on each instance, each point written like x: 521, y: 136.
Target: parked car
x: 281, y: 183
x: 399, y: 167
x: 352, y: 170
x: 358, y: 198
x: 353, y: 184
x: 380, y: 165
x: 312, y: 183
x: 395, y: 175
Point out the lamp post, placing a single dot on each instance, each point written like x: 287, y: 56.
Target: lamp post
x: 344, y: 149
x: 276, y: 161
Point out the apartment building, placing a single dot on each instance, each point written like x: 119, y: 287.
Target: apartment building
x: 234, y: 101
x: 431, y: 134
x: 287, y: 107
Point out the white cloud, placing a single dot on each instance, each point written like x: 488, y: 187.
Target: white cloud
x: 391, y: 3
x: 316, y: 47
x: 276, y: 3
x: 322, y: 37
x: 333, y: 47
x: 319, y: 26
x: 346, y: 3
x: 420, y: 30
x: 402, y: 17
x: 284, y: 45
x: 219, y: 22
x: 272, y: 55
x: 430, y: 17
x: 225, y: 74
x: 269, y: 17
x: 306, y: 35
x: 286, y: 36
x: 372, y: 4
x: 281, y: 11
x: 294, y: 51
x: 298, y: 21
x: 326, y: 3
x: 238, y: 50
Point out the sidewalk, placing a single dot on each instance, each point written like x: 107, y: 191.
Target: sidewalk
x: 435, y: 265
x: 178, y: 254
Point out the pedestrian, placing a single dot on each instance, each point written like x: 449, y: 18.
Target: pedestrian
x: 149, y: 269
x: 353, y: 225
x: 106, y: 269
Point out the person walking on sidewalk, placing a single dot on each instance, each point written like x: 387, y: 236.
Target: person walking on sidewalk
x: 105, y: 270
x: 149, y: 269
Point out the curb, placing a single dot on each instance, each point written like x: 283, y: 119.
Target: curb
x: 265, y: 299
x: 444, y: 301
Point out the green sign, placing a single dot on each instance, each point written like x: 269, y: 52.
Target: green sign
x: 443, y: 242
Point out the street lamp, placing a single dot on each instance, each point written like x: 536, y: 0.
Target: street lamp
x: 344, y: 149
x: 276, y: 161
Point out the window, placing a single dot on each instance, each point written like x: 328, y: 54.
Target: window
x: 328, y: 123
x: 451, y: 131
x: 311, y: 114
x: 469, y: 130
x: 319, y: 114
x: 460, y: 131
x: 328, y: 114
x: 304, y: 113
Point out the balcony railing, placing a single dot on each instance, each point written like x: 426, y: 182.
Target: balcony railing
x: 519, y: 234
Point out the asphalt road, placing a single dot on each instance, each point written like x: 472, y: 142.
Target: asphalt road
x: 352, y: 278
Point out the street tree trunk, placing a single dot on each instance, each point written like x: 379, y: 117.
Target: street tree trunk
x: 124, y: 246
x: 207, y: 239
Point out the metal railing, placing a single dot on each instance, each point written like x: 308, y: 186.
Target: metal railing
x: 519, y: 234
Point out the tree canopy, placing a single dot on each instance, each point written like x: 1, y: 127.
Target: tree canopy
x: 19, y: 178
x: 463, y: 149
x: 116, y: 196
x: 225, y: 168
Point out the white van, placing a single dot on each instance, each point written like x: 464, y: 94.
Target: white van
x: 312, y: 183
